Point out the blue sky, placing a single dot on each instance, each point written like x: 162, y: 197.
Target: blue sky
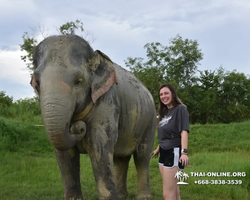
x: 122, y: 28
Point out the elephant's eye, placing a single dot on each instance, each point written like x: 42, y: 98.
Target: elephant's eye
x: 78, y: 82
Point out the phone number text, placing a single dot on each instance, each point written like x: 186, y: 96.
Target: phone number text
x: 218, y: 182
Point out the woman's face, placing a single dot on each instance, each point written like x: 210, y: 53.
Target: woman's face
x: 166, y: 97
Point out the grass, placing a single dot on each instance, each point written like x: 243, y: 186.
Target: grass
x: 29, y: 170
x: 219, y: 137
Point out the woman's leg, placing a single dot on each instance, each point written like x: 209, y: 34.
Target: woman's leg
x: 170, y: 186
x: 161, y: 169
x: 178, y: 196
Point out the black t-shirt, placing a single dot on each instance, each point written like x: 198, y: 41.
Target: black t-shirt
x: 171, y: 126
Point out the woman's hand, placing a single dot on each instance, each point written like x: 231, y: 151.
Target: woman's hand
x: 184, y: 160
x: 155, y: 153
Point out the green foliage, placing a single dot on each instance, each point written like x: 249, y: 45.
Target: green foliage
x: 219, y: 97
x: 23, y: 109
x: 20, y: 136
x: 28, y: 105
x: 183, y: 60
x: 203, y: 97
x: 175, y: 64
x: 70, y: 28
x: 236, y: 96
x: 5, y: 100
x: 29, y: 44
x: 10, y: 136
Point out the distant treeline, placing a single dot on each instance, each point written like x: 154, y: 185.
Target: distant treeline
x: 218, y: 97
x: 215, y: 97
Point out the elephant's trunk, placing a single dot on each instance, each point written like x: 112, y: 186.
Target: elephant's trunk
x: 56, y: 113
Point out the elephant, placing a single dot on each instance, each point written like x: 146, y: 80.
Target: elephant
x: 91, y: 105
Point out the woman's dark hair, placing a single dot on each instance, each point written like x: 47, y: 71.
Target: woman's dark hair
x: 162, y: 108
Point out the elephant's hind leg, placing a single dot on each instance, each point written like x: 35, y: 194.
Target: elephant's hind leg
x: 120, y: 170
x: 69, y: 163
x: 142, y: 161
x: 142, y: 168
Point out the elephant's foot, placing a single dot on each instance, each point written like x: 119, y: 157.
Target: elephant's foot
x: 108, y: 197
x: 73, y: 198
x: 122, y: 196
x: 122, y: 192
x: 144, y: 196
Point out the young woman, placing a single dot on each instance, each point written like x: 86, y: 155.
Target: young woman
x: 173, y: 128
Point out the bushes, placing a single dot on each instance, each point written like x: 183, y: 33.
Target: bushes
x: 11, y: 135
x: 27, y: 109
x: 5, y: 100
x: 17, y: 125
x: 6, y: 142
x: 24, y: 109
x: 16, y: 136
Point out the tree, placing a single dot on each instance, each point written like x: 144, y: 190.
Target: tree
x: 70, y: 28
x: 30, y: 42
x: 183, y: 60
x: 219, y: 97
x: 175, y: 64
x: 236, y: 97
x: 5, y: 101
x: 210, y: 90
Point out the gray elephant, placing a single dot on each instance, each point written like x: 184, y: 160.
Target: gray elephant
x: 91, y: 105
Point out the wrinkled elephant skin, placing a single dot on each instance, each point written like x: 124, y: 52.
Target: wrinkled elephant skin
x: 91, y: 105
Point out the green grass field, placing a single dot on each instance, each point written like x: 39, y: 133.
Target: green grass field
x: 28, y: 168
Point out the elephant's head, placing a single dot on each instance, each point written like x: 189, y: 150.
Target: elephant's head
x: 68, y: 77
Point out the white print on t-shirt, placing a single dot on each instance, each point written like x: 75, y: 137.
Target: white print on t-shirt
x: 164, y: 121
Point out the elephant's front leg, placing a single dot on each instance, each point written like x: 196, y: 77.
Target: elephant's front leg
x: 101, y: 155
x: 69, y: 163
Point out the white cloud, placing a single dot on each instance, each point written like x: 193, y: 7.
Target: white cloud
x: 14, y: 76
x: 13, y: 68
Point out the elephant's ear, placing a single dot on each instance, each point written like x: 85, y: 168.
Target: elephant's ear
x: 33, y: 83
x: 104, y: 75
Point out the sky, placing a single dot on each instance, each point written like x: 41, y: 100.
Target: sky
x: 120, y: 29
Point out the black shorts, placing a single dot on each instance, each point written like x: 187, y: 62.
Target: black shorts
x: 170, y: 158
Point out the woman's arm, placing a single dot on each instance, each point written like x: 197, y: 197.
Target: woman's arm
x: 184, y: 145
x: 184, y: 139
